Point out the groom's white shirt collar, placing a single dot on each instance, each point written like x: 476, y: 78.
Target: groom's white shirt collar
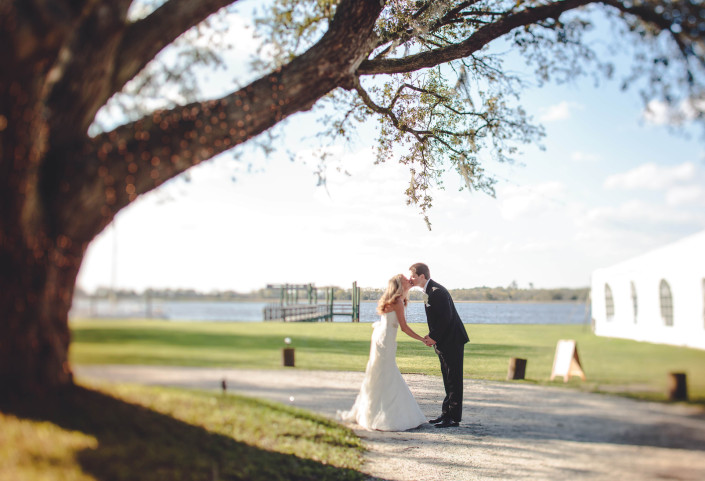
x: 426, y: 285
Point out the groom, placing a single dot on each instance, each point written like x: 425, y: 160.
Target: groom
x: 447, y: 335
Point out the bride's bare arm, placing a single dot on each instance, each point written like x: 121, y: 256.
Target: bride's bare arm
x: 399, y: 309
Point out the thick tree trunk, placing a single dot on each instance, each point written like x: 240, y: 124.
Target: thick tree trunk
x: 34, y: 335
x: 38, y: 269
x: 38, y: 266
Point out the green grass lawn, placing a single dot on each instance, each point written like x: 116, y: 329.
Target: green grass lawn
x: 139, y: 433
x: 615, y: 365
x: 132, y: 433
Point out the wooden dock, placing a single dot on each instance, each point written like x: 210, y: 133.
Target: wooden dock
x: 306, y: 312
x: 298, y: 313
x: 289, y: 310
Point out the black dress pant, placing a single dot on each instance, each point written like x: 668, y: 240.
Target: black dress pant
x: 451, y: 358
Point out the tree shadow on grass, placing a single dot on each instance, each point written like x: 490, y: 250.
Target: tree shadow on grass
x: 136, y: 443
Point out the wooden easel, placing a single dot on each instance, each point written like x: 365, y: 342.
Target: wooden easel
x: 566, y: 362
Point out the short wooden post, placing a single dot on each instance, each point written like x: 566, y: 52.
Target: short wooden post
x: 288, y: 356
x: 677, y: 387
x: 517, y: 368
x: 331, y: 300
x: 355, y: 303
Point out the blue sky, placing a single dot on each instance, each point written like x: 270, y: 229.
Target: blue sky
x: 611, y: 184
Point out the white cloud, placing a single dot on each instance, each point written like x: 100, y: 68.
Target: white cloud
x: 650, y: 205
x: 639, y: 215
x: 687, y: 195
x: 584, y: 157
x: 459, y: 239
x: 530, y: 247
x: 692, y: 107
x: 657, y: 113
x: 530, y: 200
x: 653, y: 177
x: 560, y: 111
x: 660, y: 113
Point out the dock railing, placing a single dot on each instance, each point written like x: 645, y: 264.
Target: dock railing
x: 289, y: 310
x: 298, y: 312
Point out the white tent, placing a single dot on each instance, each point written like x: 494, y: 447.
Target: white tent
x: 657, y: 297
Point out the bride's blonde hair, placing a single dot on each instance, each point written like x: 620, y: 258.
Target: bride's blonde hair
x: 394, y: 291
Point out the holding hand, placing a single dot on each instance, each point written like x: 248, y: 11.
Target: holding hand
x: 428, y: 341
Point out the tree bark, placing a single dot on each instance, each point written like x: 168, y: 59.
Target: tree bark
x: 37, y: 268
x: 34, y: 335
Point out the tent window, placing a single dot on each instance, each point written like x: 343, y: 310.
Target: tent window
x: 635, y: 304
x: 609, y: 303
x: 666, y: 303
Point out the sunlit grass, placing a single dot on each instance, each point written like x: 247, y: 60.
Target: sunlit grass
x: 140, y: 433
x: 616, y: 365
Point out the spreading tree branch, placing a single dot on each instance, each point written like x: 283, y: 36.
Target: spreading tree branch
x: 475, y: 42
x: 137, y: 157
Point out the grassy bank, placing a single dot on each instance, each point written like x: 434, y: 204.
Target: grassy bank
x: 614, y: 365
x: 138, y: 433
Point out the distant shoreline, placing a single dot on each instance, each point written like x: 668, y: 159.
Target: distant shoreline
x: 276, y: 301
x: 511, y: 294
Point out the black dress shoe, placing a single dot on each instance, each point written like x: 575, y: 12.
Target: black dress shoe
x: 447, y: 423
x: 437, y: 420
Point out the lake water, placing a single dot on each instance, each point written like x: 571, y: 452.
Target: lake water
x: 470, y: 312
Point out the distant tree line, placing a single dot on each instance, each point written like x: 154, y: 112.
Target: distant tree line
x: 180, y: 294
x: 523, y: 295
x: 496, y: 294
x: 503, y: 294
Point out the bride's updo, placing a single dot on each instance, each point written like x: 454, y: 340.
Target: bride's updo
x: 394, y: 291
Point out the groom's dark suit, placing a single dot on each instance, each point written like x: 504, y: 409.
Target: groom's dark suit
x: 446, y: 328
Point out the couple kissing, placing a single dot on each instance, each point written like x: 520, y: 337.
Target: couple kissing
x: 384, y: 401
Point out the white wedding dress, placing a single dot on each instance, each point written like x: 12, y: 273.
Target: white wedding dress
x: 384, y: 402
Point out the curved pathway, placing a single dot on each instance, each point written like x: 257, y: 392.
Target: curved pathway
x: 509, y: 431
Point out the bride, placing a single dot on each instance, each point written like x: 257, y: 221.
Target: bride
x: 385, y: 402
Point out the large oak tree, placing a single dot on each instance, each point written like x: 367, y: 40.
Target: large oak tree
x: 421, y: 68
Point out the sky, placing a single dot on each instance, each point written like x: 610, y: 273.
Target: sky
x: 612, y: 183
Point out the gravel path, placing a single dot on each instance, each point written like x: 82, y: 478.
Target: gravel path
x: 509, y: 431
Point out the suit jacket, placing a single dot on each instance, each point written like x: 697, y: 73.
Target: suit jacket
x: 444, y: 323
